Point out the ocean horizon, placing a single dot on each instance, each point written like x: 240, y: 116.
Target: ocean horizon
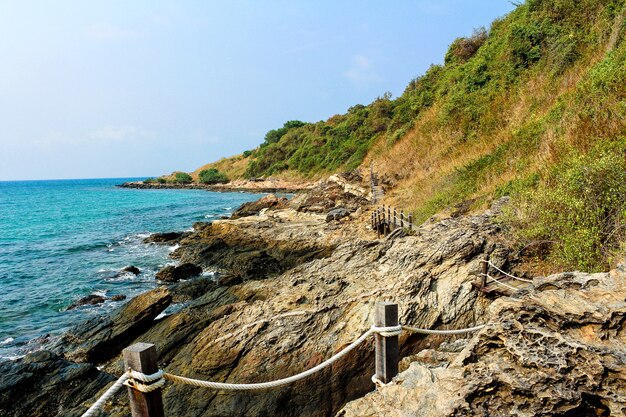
x: 61, y: 240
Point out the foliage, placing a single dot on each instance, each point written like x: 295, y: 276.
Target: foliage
x: 212, y: 176
x: 182, y: 178
x: 161, y: 180
x: 580, y: 206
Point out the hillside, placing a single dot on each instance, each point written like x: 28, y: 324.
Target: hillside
x: 534, y: 108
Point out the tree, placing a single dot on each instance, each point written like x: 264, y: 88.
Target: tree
x: 182, y: 178
x: 212, y: 176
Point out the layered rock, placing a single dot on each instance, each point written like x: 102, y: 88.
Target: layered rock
x: 100, y: 338
x: 253, y: 208
x: 556, y: 349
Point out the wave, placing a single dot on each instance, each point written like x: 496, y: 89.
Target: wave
x: 7, y: 341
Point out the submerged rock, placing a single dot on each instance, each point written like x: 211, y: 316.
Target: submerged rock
x: 131, y: 269
x: 91, y: 299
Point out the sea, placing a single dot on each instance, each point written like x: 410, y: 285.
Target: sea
x: 61, y: 240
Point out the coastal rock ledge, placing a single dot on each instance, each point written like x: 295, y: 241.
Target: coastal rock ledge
x: 555, y: 348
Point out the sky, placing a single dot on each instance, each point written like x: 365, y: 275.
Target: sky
x: 96, y: 89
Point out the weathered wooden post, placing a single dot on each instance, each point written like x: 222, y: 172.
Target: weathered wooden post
x: 410, y: 221
x: 395, y: 214
x: 142, y: 357
x: 388, y: 220
x: 387, y: 348
x: 485, y: 270
x: 401, y: 219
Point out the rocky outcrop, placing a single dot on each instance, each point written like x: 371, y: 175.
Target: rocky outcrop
x: 100, y: 338
x: 94, y: 299
x: 253, y: 208
x: 259, y: 246
x: 167, y: 237
x: 264, y: 330
x: 553, y: 350
x: 131, y: 269
x: 337, y: 214
x: 338, y: 190
x: 43, y: 384
x: 175, y: 273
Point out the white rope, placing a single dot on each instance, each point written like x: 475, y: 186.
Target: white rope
x: 432, y: 331
x: 389, y: 331
x: 501, y: 283
x: 140, y: 376
x: 283, y: 381
x: 507, y: 274
x: 108, y: 394
x: 140, y: 386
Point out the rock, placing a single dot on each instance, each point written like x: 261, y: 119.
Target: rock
x: 91, y: 299
x: 176, y: 273
x: 192, y: 289
x: 556, y: 350
x: 131, y: 269
x: 118, y: 297
x: 337, y: 214
x: 43, y: 384
x: 101, y: 338
x: 168, y: 237
x: 253, y: 208
x: 328, y: 194
x: 263, y: 330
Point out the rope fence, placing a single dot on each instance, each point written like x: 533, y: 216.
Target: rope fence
x: 145, y: 392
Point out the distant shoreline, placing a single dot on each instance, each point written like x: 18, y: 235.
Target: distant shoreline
x: 267, y: 186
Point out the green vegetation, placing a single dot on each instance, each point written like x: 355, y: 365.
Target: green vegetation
x: 212, y: 176
x: 182, y: 178
x: 579, y: 208
x: 532, y: 107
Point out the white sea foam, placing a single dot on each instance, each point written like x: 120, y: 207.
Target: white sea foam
x: 101, y: 293
x: 210, y: 216
x: 7, y: 341
x: 173, y: 248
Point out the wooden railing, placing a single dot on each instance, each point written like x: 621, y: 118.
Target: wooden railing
x: 386, y: 219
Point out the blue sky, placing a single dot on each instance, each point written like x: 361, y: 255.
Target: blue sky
x: 118, y: 88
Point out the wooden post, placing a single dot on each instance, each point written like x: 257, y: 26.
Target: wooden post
x: 388, y: 220
x: 401, y: 219
x: 485, y: 270
x: 395, y: 214
x: 410, y: 221
x: 387, y: 349
x: 142, y: 357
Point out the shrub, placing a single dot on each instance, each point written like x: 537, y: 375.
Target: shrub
x: 150, y: 180
x: 580, y: 207
x: 247, y: 153
x: 462, y: 49
x: 182, y: 178
x: 161, y: 180
x: 212, y: 176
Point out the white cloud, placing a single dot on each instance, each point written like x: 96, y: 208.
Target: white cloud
x: 362, y: 71
x: 110, y: 32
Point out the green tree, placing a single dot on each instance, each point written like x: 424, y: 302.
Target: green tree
x: 182, y: 178
x: 212, y: 176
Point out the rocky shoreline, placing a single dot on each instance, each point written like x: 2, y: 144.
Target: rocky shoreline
x: 296, y: 285
x: 257, y: 186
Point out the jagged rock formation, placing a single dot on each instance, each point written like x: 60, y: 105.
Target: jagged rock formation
x: 555, y: 350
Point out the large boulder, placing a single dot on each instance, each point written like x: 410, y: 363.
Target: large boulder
x: 254, y: 207
x: 101, y: 338
x: 42, y: 384
x: 337, y: 213
x: 167, y: 237
x: 175, y: 273
x: 555, y: 349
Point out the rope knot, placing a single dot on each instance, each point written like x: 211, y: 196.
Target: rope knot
x: 143, y: 382
x: 388, y: 331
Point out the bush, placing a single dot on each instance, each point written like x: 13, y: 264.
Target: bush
x: 161, y: 180
x: 247, y: 153
x: 462, y: 49
x: 182, y: 178
x: 580, y: 208
x: 150, y: 180
x: 212, y: 176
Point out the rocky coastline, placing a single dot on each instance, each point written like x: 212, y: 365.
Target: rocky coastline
x: 252, y: 186
x: 295, y: 285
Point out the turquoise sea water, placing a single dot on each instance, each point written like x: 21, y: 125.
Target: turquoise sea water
x: 62, y: 240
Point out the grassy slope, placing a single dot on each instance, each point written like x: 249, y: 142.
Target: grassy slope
x: 503, y: 114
